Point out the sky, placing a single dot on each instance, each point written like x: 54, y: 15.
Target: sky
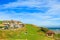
x: 38, y: 12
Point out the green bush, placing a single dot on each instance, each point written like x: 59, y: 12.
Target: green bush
x: 1, y: 27
x: 43, y: 29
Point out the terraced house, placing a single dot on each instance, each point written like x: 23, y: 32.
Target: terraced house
x: 7, y: 24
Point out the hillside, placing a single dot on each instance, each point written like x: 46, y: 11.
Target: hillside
x: 28, y: 32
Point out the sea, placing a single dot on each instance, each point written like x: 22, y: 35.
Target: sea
x: 56, y: 30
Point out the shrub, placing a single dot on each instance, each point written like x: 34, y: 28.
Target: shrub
x: 43, y: 29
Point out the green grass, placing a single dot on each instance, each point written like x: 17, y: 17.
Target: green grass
x: 29, y: 32
x: 32, y: 33
x: 57, y: 35
x: 0, y: 21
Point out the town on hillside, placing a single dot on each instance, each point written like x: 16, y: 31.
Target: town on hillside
x: 11, y: 24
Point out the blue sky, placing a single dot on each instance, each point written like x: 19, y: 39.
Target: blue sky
x: 38, y: 12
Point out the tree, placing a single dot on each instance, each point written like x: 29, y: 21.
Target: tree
x: 43, y: 29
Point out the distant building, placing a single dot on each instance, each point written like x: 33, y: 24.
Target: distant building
x: 50, y: 33
x: 12, y: 24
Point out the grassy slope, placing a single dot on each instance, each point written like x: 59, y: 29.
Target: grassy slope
x: 34, y: 35
x: 29, y: 32
x: 57, y: 36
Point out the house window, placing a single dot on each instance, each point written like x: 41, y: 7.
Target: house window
x: 49, y: 34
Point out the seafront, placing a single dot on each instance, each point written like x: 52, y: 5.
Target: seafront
x: 56, y: 30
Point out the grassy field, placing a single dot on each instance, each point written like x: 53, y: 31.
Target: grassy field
x: 29, y: 32
x: 57, y: 36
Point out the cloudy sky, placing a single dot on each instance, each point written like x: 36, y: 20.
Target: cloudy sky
x: 38, y: 12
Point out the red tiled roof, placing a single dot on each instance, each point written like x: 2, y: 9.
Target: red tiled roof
x: 50, y: 32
